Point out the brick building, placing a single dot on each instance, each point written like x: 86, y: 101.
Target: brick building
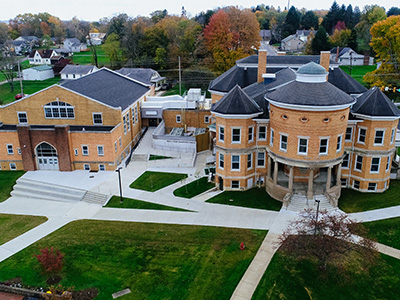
x: 310, y: 131
x: 91, y: 123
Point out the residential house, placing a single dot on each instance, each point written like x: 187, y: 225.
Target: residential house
x: 20, y: 47
x: 74, y: 45
x: 90, y: 123
x: 266, y: 35
x: 145, y: 75
x: 76, y: 71
x: 293, y: 43
x: 38, y: 73
x: 95, y: 38
x: 43, y: 57
x: 347, y: 56
x: 30, y: 40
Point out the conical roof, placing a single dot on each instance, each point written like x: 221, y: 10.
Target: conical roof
x: 311, y: 68
x: 236, y: 102
x: 375, y: 103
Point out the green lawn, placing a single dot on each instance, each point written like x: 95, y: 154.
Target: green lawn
x: 157, y: 157
x: 353, y: 201
x: 194, y: 188
x: 286, y: 278
x: 358, y: 72
x: 86, y: 58
x: 153, y: 181
x: 12, y: 226
x: 7, y: 181
x: 253, y: 198
x: 138, y: 204
x: 154, y: 261
x: 385, y: 231
x: 30, y: 87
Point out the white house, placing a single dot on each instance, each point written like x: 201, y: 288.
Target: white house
x: 76, y: 71
x: 20, y: 46
x: 43, y: 57
x: 95, y: 38
x: 347, y: 56
x: 38, y: 73
x: 74, y: 45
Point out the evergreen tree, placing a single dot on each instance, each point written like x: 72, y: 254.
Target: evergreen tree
x: 320, y: 41
x: 292, y: 22
x: 309, y: 20
x: 393, y: 11
x: 331, y: 18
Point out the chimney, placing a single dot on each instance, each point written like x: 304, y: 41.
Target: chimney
x: 262, y: 64
x: 324, y: 59
x: 281, y: 53
x: 337, y: 53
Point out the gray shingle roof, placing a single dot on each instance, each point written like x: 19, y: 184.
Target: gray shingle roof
x: 287, y: 60
x: 375, y: 103
x: 77, y: 69
x: 345, y: 82
x: 236, y: 102
x: 234, y: 76
x: 309, y: 94
x: 142, y: 75
x: 109, y: 88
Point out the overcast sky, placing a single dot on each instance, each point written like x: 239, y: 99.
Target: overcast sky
x: 93, y: 10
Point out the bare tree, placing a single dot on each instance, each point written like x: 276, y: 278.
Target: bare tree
x: 8, y: 65
x: 330, y: 238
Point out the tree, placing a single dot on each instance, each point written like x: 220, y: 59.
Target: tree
x: 320, y: 41
x: 332, y: 17
x: 393, y: 11
x: 386, y: 44
x: 340, y: 38
x: 309, y: 20
x: 160, y: 58
x: 330, y: 239
x: 52, y: 261
x: 158, y: 15
x: 8, y: 65
x: 46, y: 41
x: 292, y: 22
x: 112, y: 47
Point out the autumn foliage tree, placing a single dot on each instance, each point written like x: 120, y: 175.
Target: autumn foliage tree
x: 330, y: 240
x: 51, y: 260
x: 386, y: 44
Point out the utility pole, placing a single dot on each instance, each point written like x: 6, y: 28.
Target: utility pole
x: 20, y: 80
x: 180, y: 84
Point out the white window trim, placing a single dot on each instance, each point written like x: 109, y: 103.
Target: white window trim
x: 13, y: 168
x: 98, y: 152
x: 258, y: 135
x: 19, y: 150
x: 348, y: 161
x: 76, y: 151
x: 128, y: 121
x: 84, y: 167
x: 375, y: 186
x: 271, y: 137
x: 351, y: 134
x: 339, y: 137
x: 358, y: 136
x: 354, y: 181
x: 12, y: 149
x: 355, y: 163
x: 327, y: 145
x: 99, y: 113
x: 280, y: 141
x: 232, y: 169
x: 116, y: 146
x: 393, y: 135
x: 251, y: 161
x: 26, y: 114
x: 219, y: 160
x: 263, y: 165
x: 383, y: 137
x: 388, y: 163
x: 120, y: 142
x: 83, y: 152
x: 178, y: 117
x: 235, y: 187
x: 298, y: 145
x: 252, y: 134
x: 207, y: 119
x: 379, y: 165
x: 219, y: 133
x: 104, y: 167
x: 240, y: 135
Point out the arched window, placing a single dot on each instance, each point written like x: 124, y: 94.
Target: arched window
x: 59, y: 110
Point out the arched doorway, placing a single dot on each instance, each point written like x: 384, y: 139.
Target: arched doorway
x: 47, y: 158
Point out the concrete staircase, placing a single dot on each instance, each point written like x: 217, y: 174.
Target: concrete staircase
x: 299, y: 203
x: 95, y: 198
x: 32, y: 189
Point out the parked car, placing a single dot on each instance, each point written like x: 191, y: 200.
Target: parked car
x: 19, y: 96
x: 166, y: 86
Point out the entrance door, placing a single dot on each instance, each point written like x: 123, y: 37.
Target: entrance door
x: 250, y: 183
x: 47, y: 158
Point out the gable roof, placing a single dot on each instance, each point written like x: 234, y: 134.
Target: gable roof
x: 74, y: 41
x: 141, y: 74
x: 77, y: 69
x: 287, y: 60
x: 236, y: 102
x: 375, y: 103
x: 109, y: 88
x: 345, y: 82
x: 44, y: 53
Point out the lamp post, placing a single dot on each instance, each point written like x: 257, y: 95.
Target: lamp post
x: 316, y: 217
x: 120, y: 185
